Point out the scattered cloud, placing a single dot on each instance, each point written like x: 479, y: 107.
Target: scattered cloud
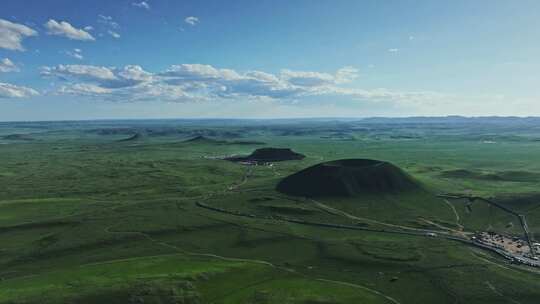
x: 142, y: 4
x: 206, y: 83
x: 113, y: 34
x: 65, y: 29
x: 393, y: 50
x: 13, y: 91
x: 76, y: 53
x: 108, y: 21
x: 7, y: 65
x: 12, y: 35
x: 88, y: 28
x: 198, y: 72
x: 411, y: 38
x: 310, y: 79
x: 307, y: 79
x: 191, y: 20
x: 84, y: 89
x: 104, y: 77
x: 382, y: 94
x: 199, y: 82
x: 108, y: 26
x: 346, y: 74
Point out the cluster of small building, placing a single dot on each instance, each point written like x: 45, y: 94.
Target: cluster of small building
x: 512, y: 247
x: 246, y: 162
x: 255, y: 163
x: 511, y: 244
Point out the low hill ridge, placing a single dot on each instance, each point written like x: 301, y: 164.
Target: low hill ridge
x: 26, y: 137
x: 133, y: 137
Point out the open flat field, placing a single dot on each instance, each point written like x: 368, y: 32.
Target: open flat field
x: 110, y: 212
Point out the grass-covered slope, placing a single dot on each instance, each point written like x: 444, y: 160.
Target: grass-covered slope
x: 348, y: 177
x: 180, y: 279
x: 87, y: 219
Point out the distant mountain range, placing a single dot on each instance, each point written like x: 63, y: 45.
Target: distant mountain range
x: 250, y: 121
x: 453, y: 119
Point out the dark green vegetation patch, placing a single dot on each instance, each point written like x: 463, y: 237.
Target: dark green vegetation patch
x: 511, y: 176
x: 270, y: 155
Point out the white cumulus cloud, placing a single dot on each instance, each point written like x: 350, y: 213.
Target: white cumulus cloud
x: 13, y: 91
x: 191, y: 20
x: 84, y: 89
x: 65, y: 29
x: 108, y: 21
x: 346, y: 74
x: 80, y: 72
x: 188, y: 82
x: 12, y: 35
x: 7, y: 65
x: 310, y: 79
x: 198, y: 72
x: 76, y: 53
x: 307, y: 79
x: 106, y: 77
x: 142, y: 4
x: 113, y: 34
x: 201, y: 82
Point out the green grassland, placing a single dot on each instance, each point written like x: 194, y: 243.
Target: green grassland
x: 90, y: 213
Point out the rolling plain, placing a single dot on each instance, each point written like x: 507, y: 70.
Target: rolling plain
x: 151, y: 211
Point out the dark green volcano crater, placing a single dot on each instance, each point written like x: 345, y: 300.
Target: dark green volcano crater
x: 348, y: 177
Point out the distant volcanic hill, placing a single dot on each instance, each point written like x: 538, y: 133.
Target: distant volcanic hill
x: 133, y: 137
x: 18, y: 137
x: 348, y: 177
x: 199, y: 138
x: 270, y: 155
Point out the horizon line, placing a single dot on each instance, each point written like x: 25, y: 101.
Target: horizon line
x: 278, y: 118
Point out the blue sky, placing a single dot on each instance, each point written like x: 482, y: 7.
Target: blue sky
x: 158, y: 58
